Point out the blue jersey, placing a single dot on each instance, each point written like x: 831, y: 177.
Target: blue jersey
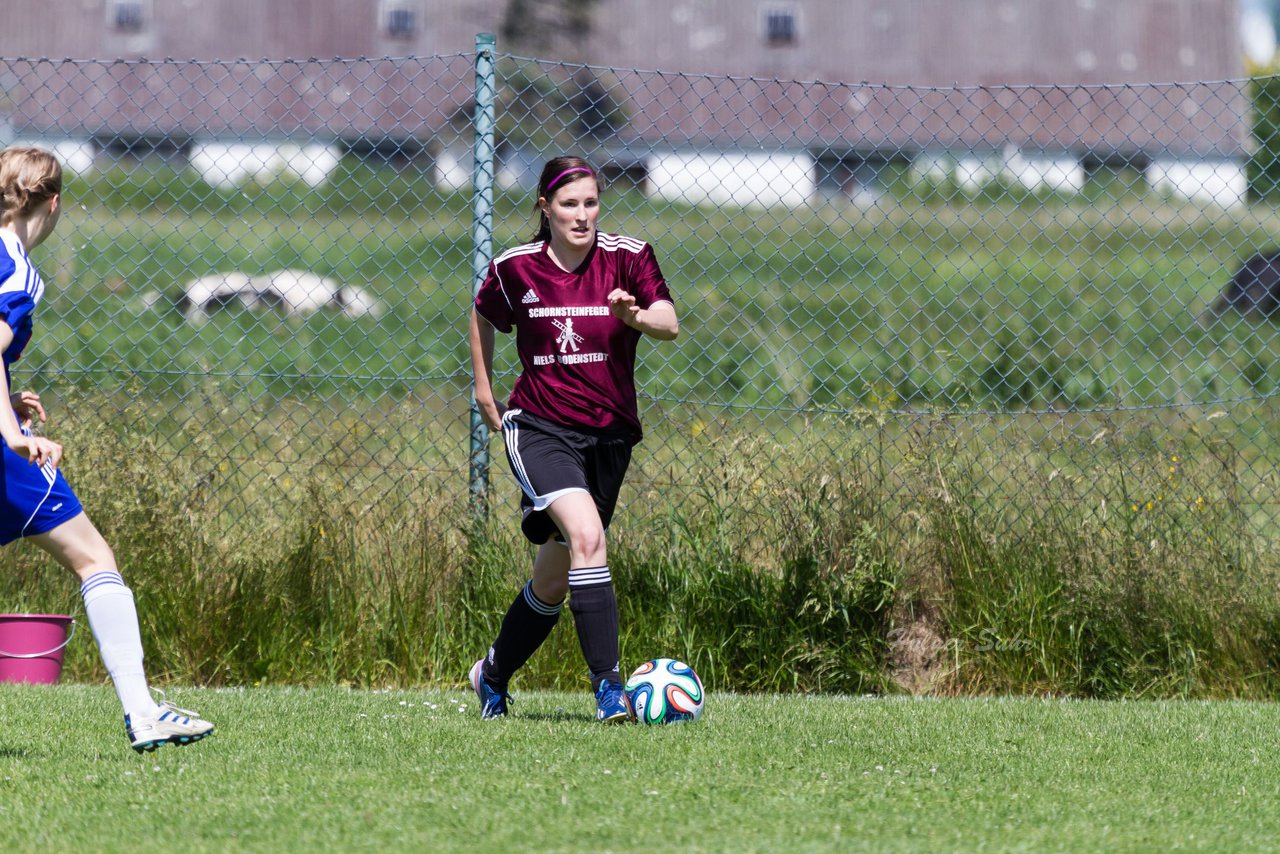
x: 33, y: 499
x: 20, y: 290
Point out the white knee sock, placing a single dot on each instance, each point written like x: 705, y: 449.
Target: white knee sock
x: 114, y: 620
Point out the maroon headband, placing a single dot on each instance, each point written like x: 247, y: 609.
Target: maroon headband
x: 566, y: 172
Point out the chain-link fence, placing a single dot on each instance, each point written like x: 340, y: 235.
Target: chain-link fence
x: 266, y: 268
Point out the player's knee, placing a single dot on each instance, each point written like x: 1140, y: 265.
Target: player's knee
x: 588, y: 543
x: 90, y: 566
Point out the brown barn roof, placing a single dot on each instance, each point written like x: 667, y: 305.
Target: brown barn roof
x: 1202, y: 119
x: 400, y: 97
x: 1048, y: 74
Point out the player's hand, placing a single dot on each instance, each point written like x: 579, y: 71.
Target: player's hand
x: 623, y: 306
x: 37, y: 450
x: 27, y: 405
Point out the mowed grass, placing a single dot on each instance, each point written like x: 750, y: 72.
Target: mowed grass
x: 332, y: 769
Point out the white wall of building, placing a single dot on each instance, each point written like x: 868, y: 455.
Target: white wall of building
x: 744, y: 179
x: 232, y: 164
x: 1220, y: 182
x: 1043, y: 172
x: 452, y: 170
x: 1035, y: 171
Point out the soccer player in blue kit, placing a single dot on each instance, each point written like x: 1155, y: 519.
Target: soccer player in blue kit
x: 579, y: 301
x: 36, y: 501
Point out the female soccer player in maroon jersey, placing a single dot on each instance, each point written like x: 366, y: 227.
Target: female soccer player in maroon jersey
x: 579, y: 302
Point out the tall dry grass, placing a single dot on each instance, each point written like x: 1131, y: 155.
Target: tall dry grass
x: 879, y: 563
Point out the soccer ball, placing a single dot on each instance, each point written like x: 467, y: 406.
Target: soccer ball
x: 665, y: 691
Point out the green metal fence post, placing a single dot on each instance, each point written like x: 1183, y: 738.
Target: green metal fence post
x: 482, y: 175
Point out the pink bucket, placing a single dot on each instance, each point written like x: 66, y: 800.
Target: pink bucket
x: 31, y: 647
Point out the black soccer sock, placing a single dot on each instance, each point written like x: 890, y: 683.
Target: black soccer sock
x: 527, y: 624
x: 595, y: 614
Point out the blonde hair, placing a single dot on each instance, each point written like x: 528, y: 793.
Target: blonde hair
x: 29, y: 176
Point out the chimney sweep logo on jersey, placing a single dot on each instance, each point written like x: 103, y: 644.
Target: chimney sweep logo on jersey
x: 568, y: 339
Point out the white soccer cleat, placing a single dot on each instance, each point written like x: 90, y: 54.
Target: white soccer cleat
x: 170, y: 725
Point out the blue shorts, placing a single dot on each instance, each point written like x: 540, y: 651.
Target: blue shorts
x: 35, y: 499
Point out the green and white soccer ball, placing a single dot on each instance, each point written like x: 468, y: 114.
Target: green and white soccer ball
x: 665, y: 691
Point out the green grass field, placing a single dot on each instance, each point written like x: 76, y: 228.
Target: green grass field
x: 941, y: 301
x: 1053, y: 317
x: 794, y: 516
x: 333, y: 770
x: 787, y: 525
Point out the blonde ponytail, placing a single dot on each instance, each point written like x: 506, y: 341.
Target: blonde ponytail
x: 29, y: 176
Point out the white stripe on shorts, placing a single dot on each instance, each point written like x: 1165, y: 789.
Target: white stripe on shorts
x: 50, y: 476
x: 511, y: 433
x: 32, y: 517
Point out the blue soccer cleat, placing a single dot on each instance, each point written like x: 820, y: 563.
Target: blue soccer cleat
x: 493, y: 701
x: 611, y: 703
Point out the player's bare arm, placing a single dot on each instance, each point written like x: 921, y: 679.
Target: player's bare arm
x: 482, y: 368
x: 657, y: 321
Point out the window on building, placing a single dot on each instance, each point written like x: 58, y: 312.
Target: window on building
x: 399, y: 19
x: 126, y: 16
x: 780, y: 28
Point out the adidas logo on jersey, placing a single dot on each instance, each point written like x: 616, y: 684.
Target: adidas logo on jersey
x: 529, y: 296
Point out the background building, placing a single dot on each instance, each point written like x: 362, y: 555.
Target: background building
x: 927, y: 42
x: 233, y: 29
x: 296, y: 108
x: 959, y: 103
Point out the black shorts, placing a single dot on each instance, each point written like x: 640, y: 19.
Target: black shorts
x: 550, y: 460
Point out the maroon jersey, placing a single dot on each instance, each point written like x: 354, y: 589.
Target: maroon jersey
x: 577, y: 360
